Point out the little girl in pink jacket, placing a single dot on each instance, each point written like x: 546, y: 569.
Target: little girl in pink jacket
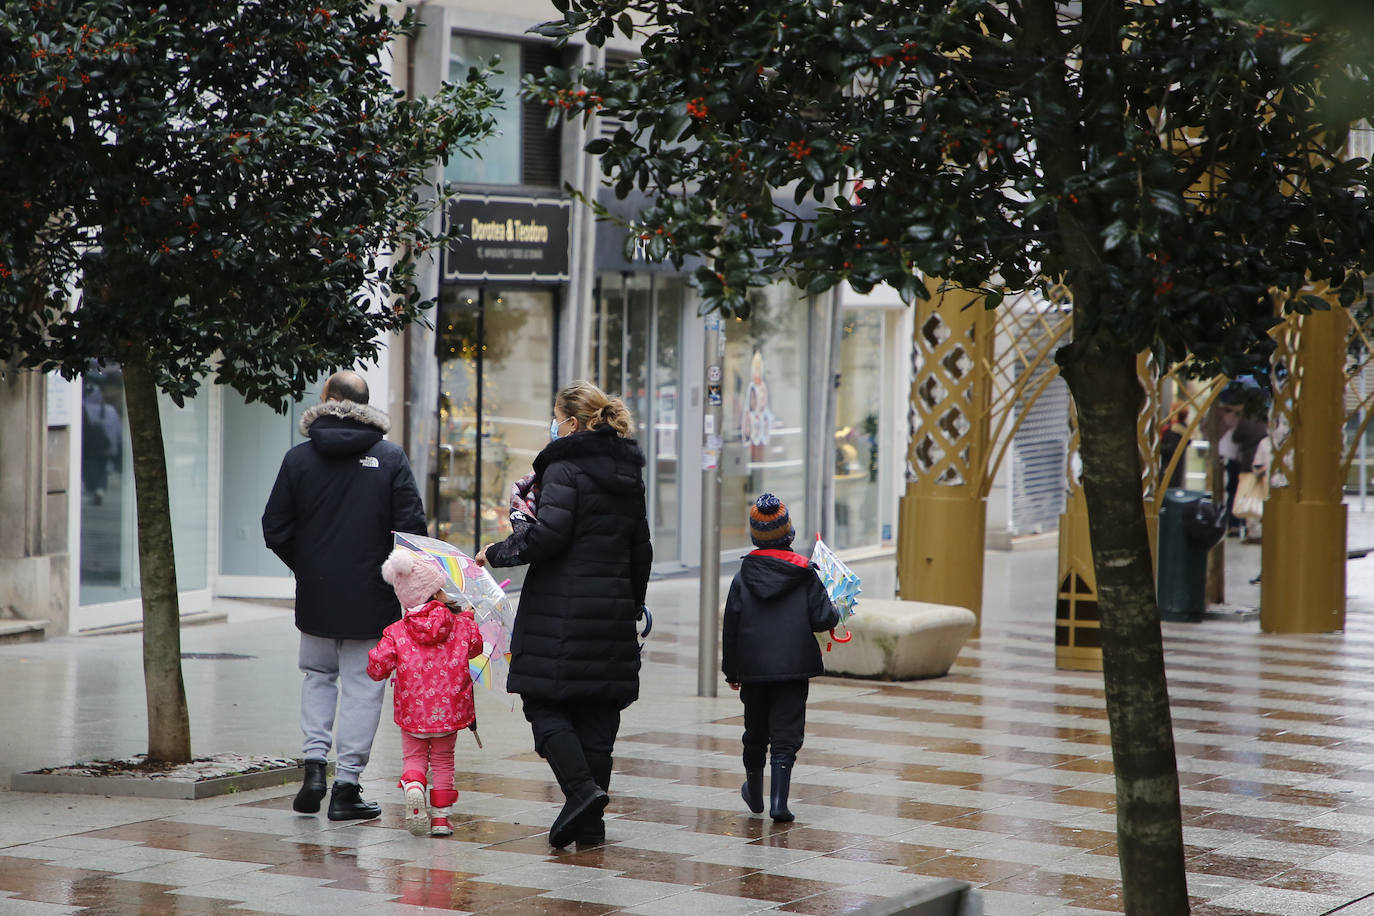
x: 428, y: 649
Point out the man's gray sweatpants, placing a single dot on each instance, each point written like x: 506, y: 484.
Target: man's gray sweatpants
x: 336, y: 675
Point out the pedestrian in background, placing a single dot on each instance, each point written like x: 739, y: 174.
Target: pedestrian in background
x: 1170, y: 438
x: 1240, y: 437
x: 775, y: 606
x: 329, y: 518
x: 575, y: 647
x: 428, y: 651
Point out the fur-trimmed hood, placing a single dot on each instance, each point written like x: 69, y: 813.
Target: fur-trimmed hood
x: 341, y: 428
x: 363, y: 413
x: 614, y: 462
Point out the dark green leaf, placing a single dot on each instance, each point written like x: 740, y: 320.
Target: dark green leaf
x: 1114, y: 234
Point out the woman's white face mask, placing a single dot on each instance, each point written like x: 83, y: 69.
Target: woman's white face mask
x: 554, y: 424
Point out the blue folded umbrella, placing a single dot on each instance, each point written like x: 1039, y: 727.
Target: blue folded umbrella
x: 841, y: 583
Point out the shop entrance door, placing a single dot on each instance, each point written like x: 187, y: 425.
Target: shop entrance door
x: 636, y: 354
x: 496, y: 371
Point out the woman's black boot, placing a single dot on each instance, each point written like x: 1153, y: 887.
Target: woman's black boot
x: 782, y: 781
x: 569, y: 764
x: 593, y: 827
x: 752, y: 790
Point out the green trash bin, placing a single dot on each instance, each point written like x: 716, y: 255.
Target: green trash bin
x: 1190, y: 525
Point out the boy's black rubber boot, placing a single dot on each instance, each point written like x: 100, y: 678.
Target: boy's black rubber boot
x: 346, y: 803
x: 312, y: 788
x: 782, y: 782
x: 752, y: 790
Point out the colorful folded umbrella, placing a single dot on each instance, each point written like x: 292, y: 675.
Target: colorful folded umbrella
x: 473, y: 585
x: 841, y: 583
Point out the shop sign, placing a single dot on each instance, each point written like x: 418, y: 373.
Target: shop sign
x: 508, y: 237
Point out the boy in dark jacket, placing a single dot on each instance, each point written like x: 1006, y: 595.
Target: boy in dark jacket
x: 776, y: 603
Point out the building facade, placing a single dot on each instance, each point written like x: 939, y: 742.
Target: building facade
x: 538, y: 294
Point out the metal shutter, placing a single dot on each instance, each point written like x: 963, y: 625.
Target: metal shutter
x: 540, y: 160
x: 618, y: 65
x: 1039, y: 452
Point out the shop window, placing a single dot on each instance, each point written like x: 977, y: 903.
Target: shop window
x: 495, y: 349
x: 636, y: 339
x: 255, y: 439
x: 524, y: 150
x: 764, y: 411
x: 109, y: 533
x: 857, y: 428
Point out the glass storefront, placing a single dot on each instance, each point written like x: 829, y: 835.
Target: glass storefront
x: 496, y: 393
x: 255, y: 439
x: 857, y: 429
x: 636, y: 346
x: 764, y: 411
x: 109, y: 539
x: 662, y: 444
x: 497, y: 382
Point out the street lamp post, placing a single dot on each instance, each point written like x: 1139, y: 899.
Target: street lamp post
x: 708, y: 625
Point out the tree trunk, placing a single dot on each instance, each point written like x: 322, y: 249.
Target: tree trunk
x: 1108, y: 397
x: 169, y: 728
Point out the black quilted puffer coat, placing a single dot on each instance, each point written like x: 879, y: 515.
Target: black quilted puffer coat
x: 336, y: 500
x: 589, y: 555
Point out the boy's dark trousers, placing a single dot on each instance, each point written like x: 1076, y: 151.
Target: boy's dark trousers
x: 774, y: 714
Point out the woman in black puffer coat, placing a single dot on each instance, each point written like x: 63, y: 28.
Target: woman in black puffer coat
x: 575, y: 649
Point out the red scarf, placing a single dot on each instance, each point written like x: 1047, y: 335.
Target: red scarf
x: 795, y: 559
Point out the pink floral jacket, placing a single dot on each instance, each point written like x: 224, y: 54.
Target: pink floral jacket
x: 428, y: 649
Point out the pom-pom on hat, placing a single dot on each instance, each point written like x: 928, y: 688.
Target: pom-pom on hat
x: 414, y: 576
x: 769, y: 523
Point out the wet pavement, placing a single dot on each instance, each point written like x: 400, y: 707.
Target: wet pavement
x: 998, y: 774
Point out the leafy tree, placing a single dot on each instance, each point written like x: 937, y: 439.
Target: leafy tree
x: 1357, y: 19
x: 198, y: 189
x: 1164, y: 160
x: 1355, y: 22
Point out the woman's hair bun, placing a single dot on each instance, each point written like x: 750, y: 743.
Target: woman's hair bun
x: 595, y: 408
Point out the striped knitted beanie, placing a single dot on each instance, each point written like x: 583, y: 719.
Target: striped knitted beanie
x: 769, y: 524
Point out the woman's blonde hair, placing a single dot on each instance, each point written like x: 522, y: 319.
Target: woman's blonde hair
x: 594, y: 408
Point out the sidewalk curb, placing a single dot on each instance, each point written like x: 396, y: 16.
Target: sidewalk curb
x: 153, y: 787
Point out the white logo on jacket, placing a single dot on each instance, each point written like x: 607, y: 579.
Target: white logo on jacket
x: 368, y: 461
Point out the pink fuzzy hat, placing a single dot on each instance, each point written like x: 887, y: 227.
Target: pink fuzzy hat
x: 414, y: 576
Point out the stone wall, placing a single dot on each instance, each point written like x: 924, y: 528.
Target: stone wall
x: 34, y: 489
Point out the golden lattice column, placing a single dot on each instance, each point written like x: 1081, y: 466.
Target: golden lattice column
x: 1304, y: 553
x: 1147, y: 443
x: 1077, y: 626
x: 942, y: 519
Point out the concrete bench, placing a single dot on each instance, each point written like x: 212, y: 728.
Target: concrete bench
x: 900, y: 640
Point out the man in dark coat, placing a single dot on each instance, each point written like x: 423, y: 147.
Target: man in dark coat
x: 575, y: 648
x: 336, y: 500
x: 769, y: 651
